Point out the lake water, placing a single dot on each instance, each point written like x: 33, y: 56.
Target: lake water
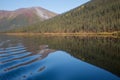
x: 59, y: 58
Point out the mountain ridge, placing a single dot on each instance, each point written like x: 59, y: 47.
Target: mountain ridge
x: 23, y: 17
x: 93, y: 16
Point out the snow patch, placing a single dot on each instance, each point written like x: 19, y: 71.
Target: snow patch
x: 41, y: 14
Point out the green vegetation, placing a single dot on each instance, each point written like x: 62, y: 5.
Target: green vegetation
x: 94, y: 16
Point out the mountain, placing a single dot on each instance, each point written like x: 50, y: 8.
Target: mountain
x: 23, y: 17
x: 94, y: 16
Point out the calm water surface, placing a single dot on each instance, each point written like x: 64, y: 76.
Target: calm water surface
x: 59, y: 58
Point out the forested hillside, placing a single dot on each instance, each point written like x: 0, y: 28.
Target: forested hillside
x: 94, y: 16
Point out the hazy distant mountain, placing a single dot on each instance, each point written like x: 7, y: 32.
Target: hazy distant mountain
x: 23, y: 17
x: 94, y: 16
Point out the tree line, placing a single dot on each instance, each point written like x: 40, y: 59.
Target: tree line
x: 94, y: 16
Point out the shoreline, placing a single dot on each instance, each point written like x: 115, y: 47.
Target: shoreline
x: 79, y: 33
x: 100, y: 34
x: 82, y: 34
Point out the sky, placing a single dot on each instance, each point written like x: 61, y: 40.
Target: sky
x: 57, y: 6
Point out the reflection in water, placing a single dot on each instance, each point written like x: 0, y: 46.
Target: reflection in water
x: 62, y: 66
x: 27, y: 57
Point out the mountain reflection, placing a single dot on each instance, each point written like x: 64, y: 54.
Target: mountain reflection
x: 100, y: 51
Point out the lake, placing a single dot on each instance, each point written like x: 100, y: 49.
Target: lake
x: 59, y: 58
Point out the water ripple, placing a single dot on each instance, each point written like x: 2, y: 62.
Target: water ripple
x: 16, y: 63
